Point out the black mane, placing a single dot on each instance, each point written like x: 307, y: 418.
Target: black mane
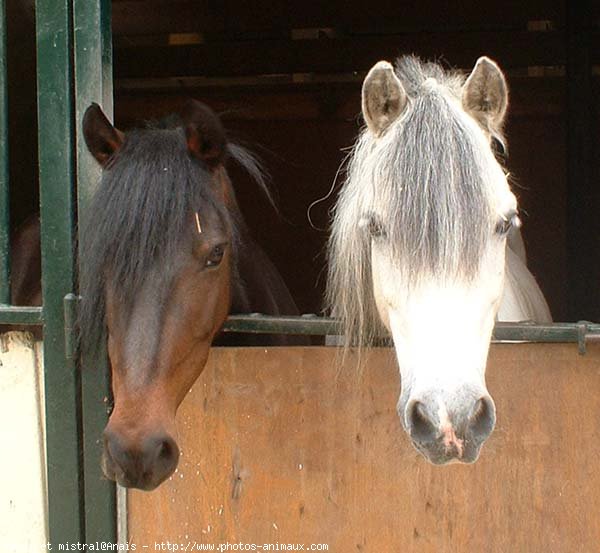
x: 138, y: 215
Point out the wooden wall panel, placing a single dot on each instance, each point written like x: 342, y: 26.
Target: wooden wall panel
x: 283, y: 445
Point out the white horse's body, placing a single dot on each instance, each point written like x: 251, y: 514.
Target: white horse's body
x: 522, y: 299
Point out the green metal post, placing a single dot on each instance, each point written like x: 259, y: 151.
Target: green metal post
x: 93, y: 83
x: 56, y: 175
x: 4, y: 172
x: 318, y: 326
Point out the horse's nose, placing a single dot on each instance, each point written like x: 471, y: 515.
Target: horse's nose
x: 144, y: 465
x: 451, y: 430
x: 480, y: 420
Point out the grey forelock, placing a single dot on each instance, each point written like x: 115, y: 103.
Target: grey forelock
x: 424, y: 186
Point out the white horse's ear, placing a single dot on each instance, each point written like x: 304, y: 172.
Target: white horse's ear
x: 485, y: 93
x: 383, y: 97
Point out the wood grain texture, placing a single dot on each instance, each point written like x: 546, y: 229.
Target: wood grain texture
x: 283, y: 445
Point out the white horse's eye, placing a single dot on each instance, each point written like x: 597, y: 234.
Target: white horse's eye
x: 507, y: 222
x: 498, y: 147
x: 371, y: 224
x: 503, y: 226
x: 375, y: 229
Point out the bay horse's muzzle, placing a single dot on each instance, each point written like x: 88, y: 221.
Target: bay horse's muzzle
x: 142, y: 465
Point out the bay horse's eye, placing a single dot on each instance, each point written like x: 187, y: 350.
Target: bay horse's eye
x: 215, y: 256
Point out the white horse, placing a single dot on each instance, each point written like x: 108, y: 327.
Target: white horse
x: 420, y: 245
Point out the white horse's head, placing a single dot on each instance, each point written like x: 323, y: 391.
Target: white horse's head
x: 419, y: 242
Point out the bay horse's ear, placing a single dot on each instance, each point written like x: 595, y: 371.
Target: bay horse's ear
x: 485, y: 94
x: 204, y: 133
x: 101, y: 138
x: 383, y: 97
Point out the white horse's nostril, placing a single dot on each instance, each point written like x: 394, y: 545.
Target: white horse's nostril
x: 482, y: 419
x: 420, y: 423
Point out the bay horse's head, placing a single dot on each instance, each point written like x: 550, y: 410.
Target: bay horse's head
x: 157, y: 259
x: 418, y: 243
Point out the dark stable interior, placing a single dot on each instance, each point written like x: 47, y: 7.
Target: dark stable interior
x: 286, y: 79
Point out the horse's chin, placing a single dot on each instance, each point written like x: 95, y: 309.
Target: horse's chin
x: 146, y: 487
x: 441, y: 459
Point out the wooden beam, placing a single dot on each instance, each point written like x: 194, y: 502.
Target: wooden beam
x: 135, y: 17
x: 255, y: 57
x: 530, y: 97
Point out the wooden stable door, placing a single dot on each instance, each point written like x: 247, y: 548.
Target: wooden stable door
x: 285, y: 446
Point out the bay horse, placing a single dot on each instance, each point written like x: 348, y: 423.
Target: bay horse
x: 419, y: 247
x: 165, y: 256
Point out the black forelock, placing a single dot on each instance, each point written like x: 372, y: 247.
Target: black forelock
x: 138, y: 216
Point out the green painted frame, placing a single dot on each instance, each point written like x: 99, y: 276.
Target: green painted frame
x: 74, y: 69
x: 93, y: 83
x: 57, y: 190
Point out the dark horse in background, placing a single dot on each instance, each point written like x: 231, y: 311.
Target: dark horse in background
x: 22, y: 146
x: 165, y: 256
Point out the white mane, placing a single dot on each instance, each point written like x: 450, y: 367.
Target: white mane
x: 522, y: 300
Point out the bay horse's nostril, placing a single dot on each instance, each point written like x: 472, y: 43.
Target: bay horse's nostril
x: 142, y: 466
x: 162, y: 455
